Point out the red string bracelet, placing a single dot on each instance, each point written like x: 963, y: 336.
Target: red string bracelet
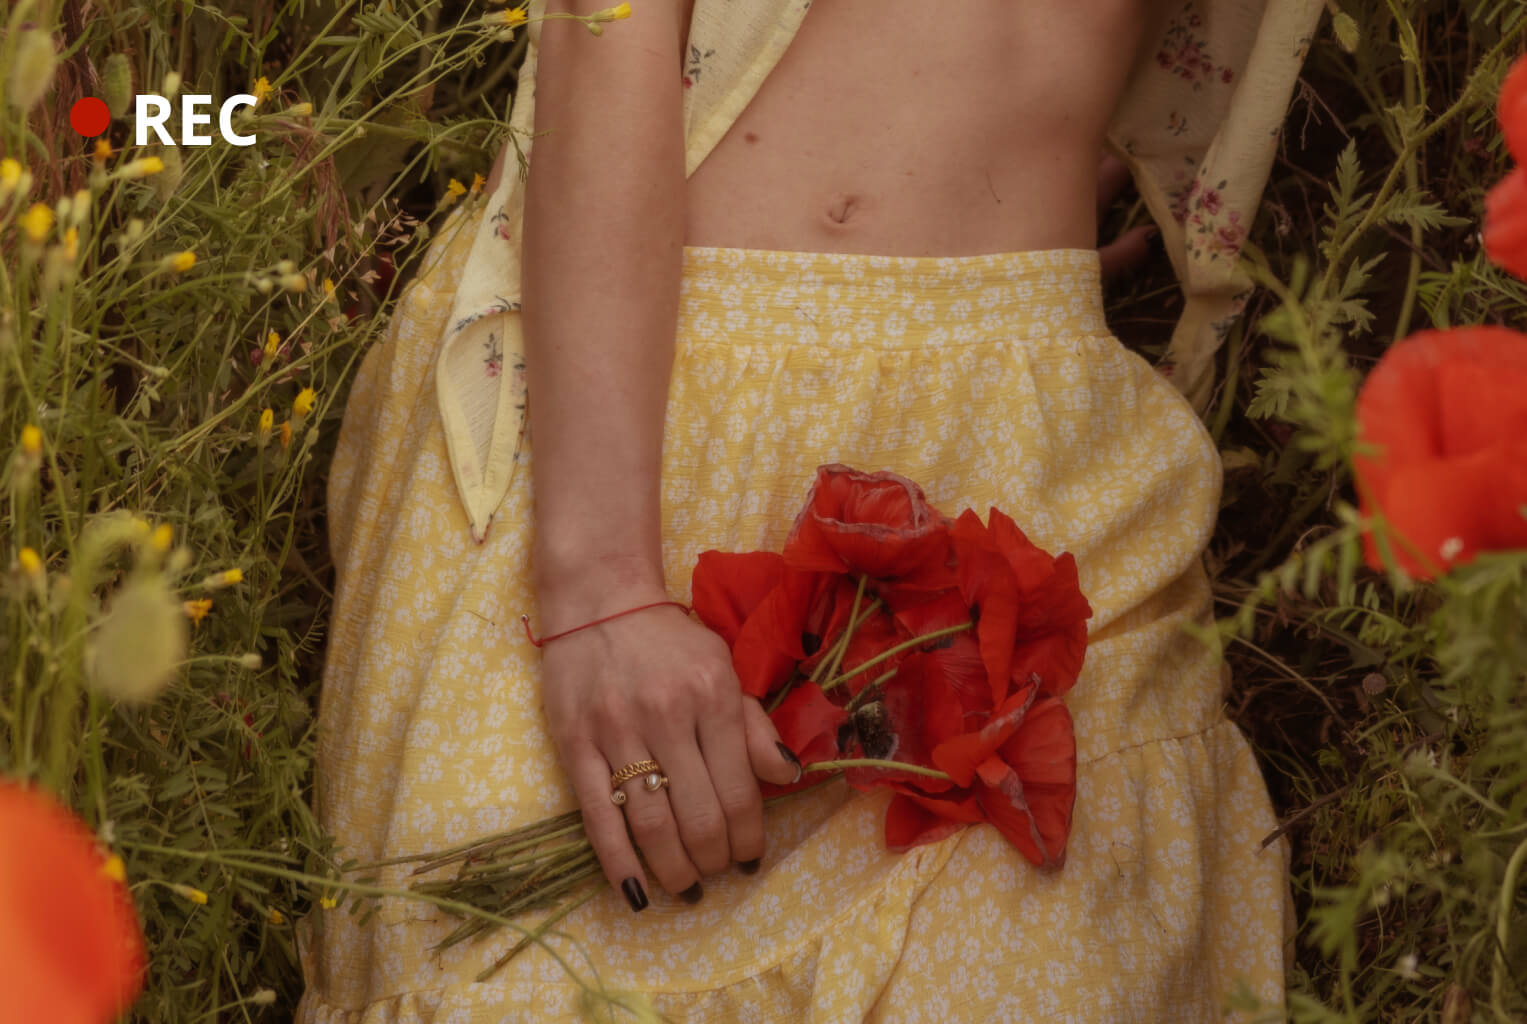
x: 543, y: 641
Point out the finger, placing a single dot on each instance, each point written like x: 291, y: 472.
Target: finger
x: 605, y: 825
x: 702, y: 825
x: 1128, y: 252
x: 1113, y: 178
x: 766, y: 750
x: 650, y: 817
x: 724, y: 742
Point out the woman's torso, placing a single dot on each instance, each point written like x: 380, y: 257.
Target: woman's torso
x: 900, y: 127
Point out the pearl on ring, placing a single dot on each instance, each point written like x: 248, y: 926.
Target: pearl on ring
x: 655, y: 781
x: 618, y: 797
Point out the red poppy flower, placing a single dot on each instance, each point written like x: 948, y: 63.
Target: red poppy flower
x: 876, y: 524
x: 913, y: 820
x: 1031, y: 615
x: 1506, y: 223
x: 1513, y: 110
x: 1028, y: 789
x: 807, y: 723
x: 1447, y: 414
x: 766, y: 611
x: 916, y: 712
x: 71, y: 951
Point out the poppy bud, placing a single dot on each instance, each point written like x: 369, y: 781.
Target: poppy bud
x: 167, y: 182
x: 117, y: 84
x: 140, y: 642
x: 32, y: 70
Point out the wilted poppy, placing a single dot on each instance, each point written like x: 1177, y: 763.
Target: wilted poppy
x: 876, y: 524
x: 1446, y: 414
x: 71, y: 951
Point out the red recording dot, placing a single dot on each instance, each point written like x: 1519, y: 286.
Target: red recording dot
x: 90, y: 116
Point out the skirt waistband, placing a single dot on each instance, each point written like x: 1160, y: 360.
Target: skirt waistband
x: 857, y: 300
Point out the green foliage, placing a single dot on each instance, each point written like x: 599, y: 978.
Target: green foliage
x: 1394, y: 725
x: 148, y: 373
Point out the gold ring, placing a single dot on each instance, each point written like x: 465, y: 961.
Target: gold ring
x: 654, y: 781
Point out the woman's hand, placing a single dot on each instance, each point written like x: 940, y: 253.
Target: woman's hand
x: 1130, y: 250
x: 658, y: 685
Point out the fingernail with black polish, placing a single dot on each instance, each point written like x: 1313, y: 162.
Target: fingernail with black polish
x: 635, y: 894
x: 692, y: 894
x: 750, y: 867
x: 789, y: 755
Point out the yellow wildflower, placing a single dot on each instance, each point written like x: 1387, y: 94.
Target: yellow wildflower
x: 10, y: 176
x: 140, y: 168
x: 286, y: 435
x: 102, y: 150
x: 267, y: 421
x: 189, y: 892
x: 328, y: 902
x: 163, y: 534
x: 72, y: 244
x: 276, y: 917
x: 272, y: 345
x: 31, y: 440
x: 226, y: 578
x: 304, y: 403
x: 262, y: 89
x: 329, y: 290
x: 478, y: 181
x: 114, y: 869
x: 198, y: 609
x: 619, y: 12
x: 30, y: 562
x: 180, y: 262
x: 454, y: 191
x: 514, y: 16
x: 37, y: 221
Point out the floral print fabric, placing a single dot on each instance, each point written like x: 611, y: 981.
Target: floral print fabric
x: 992, y: 381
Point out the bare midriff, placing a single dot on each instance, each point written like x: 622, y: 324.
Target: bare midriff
x: 901, y: 127
x: 908, y: 128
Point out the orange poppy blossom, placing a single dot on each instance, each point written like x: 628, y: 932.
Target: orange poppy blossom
x: 71, y: 951
x: 1505, y: 230
x: 887, y: 631
x: 1447, y: 414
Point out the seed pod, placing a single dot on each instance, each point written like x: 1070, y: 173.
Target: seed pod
x: 117, y: 84
x: 32, y: 73
x: 140, y: 643
x: 168, y: 180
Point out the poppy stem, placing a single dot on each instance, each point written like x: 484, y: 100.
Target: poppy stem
x: 875, y: 762
x: 892, y: 651
x: 834, y: 655
x: 872, y: 687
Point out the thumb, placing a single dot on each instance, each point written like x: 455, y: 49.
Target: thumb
x: 772, y: 760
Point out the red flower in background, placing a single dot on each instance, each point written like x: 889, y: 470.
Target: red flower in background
x: 71, y: 951
x: 1448, y: 412
x: 936, y: 648
x: 1505, y: 231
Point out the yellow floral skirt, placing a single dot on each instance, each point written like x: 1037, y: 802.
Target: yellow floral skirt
x: 991, y: 380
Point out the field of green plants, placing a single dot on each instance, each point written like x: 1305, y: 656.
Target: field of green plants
x: 178, y: 327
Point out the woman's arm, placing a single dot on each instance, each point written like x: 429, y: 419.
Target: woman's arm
x: 604, y: 233
x: 604, y: 227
